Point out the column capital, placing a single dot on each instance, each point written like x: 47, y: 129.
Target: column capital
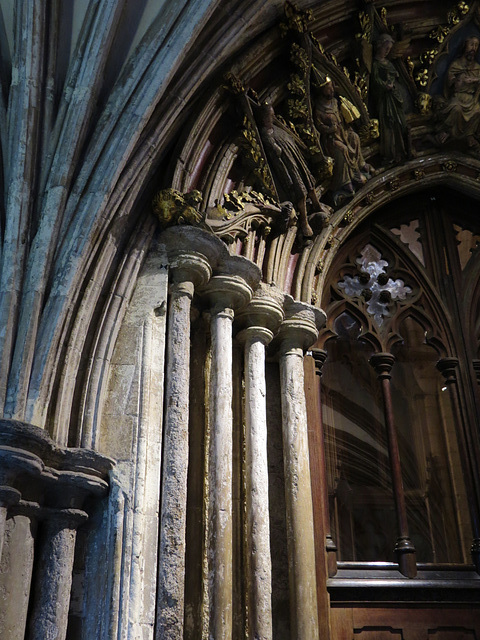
x: 476, y: 368
x: 195, y: 266
x: 264, y: 314
x: 447, y: 367
x: 300, y: 326
x: 15, y: 462
x: 64, y: 518
x: 189, y: 270
x: 382, y: 363
x: 227, y: 292
x: 233, y: 284
x: 255, y: 332
x: 319, y: 356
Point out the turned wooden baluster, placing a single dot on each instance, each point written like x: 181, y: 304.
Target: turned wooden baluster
x: 319, y: 356
x: 447, y: 367
x: 404, y: 549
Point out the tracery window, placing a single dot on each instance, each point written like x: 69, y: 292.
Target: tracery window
x: 399, y: 390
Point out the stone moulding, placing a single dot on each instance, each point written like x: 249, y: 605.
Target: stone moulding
x: 28, y: 450
x: 37, y: 441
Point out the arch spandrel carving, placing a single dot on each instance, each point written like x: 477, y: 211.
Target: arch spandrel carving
x: 210, y: 158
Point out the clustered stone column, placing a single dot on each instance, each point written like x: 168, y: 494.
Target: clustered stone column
x: 225, y: 286
x: 298, y: 331
x: 45, y: 486
x: 259, y: 321
x: 225, y: 293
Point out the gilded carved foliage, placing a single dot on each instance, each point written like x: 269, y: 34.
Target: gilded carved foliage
x: 447, y: 75
x: 235, y: 217
x: 438, y: 37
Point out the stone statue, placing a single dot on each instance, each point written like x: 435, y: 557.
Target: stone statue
x: 285, y: 156
x: 332, y: 117
x: 386, y: 104
x: 460, y: 114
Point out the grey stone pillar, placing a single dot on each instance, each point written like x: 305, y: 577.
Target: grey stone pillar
x: 298, y: 331
x: 13, y: 463
x: 16, y: 570
x: 54, y: 566
x: 188, y: 271
x: 225, y: 293
x: 8, y: 497
x: 260, y: 319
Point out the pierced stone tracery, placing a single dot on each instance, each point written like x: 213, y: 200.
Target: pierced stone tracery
x: 374, y: 284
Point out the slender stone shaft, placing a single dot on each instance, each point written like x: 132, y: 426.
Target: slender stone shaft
x: 257, y: 515
x: 221, y: 443
x: 225, y: 293
x: 187, y: 272
x: 296, y: 333
x: 8, y: 496
x: 54, y: 566
x: 13, y: 462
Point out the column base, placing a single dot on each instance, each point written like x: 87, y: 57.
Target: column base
x: 475, y: 551
x: 331, y: 549
x: 406, y: 557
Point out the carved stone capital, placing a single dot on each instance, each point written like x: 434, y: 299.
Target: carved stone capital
x: 15, y: 462
x: 188, y: 271
x: 232, y: 285
x: 382, y: 363
x: 227, y: 292
x: 59, y: 519
x: 299, y: 329
x: 447, y: 367
x: 178, y: 241
x: 65, y: 476
x: 253, y: 333
x: 262, y: 315
x: 188, y: 268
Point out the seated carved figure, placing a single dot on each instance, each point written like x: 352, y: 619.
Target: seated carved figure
x: 460, y: 114
x: 332, y: 116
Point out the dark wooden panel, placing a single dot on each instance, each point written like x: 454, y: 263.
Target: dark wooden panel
x: 452, y: 633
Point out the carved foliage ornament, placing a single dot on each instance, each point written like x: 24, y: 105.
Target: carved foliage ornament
x: 235, y: 218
